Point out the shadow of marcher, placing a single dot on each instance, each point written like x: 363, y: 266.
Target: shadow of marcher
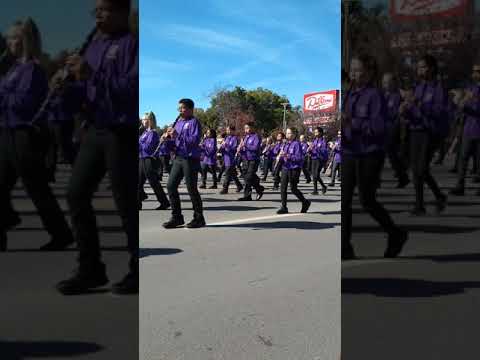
x: 405, y: 288
x: 158, y: 251
x: 300, y: 225
x: 21, y: 350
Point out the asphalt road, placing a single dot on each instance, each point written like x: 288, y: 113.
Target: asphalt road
x: 251, y: 285
x: 37, y: 322
x: 423, y: 305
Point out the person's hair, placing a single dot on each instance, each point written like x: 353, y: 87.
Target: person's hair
x: 280, y: 133
x: 320, y: 130
x: 31, y: 38
x: 431, y: 63
x: 251, y: 124
x: 213, y: 133
x: 188, y: 103
x: 123, y: 5
x: 153, y: 120
x: 294, y: 131
x: 370, y: 66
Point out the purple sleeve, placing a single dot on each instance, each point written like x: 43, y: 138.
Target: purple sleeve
x: 255, y: 145
x: 297, y: 155
x: 192, y: 137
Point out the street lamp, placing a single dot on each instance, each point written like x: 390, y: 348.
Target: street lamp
x: 284, y: 116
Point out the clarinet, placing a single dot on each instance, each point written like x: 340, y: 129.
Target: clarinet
x: 65, y: 78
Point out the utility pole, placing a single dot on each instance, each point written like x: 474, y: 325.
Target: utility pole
x: 284, y: 116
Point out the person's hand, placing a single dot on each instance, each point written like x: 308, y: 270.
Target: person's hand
x: 79, y: 67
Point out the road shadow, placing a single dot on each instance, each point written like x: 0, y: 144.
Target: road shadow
x: 299, y: 225
x: 422, y: 228
x: 145, y: 252
x: 70, y: 249
x: 475, y: 257
x: 405, y: 288
x: 103, y: 229
x: 22, y: 350
x: 226, y: 208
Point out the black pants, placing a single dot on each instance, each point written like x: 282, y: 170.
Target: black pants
x: 163, y: 165
x: 422, y: 149
x: 317, y: 165
x: 63, y: 133
x: 291, y: 177
x: 268, y: 167
x: 251, y: 178
x: 305, y: 170
x: 189, y: 169
x: 277, y: 173
x: 470, y: 149
x: 231, y: 175
x: 212, y: 169
x: 148, y: 170
x: 363, y: 172
x: 22, y: 155
x: 336, y: 168
x: 221, y: 171
x: 113, y: 151
x: 394, y: 155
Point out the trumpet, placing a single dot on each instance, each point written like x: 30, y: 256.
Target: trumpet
x: 239, y: 148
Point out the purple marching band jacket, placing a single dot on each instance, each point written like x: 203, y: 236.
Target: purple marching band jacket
x: 187, y: 141
x: 319, y: 149
x: 392, y: 101
x: 22, y: 91
x: 148, y: 144
x: 209, y: 151
x: 471, y: 127
x: 430, y: 110
x: 293, y: 155
x: 111, y: 93
x: 229, y: 150
x: 251, y: 147
x: 366, y: 130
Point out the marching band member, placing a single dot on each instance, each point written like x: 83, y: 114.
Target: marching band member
x: 318, y: 151
x: 209, y: 161
x: 228, y: 150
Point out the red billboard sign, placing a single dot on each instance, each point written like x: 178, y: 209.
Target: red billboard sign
x: 408, y: 10
x: 321, y: 102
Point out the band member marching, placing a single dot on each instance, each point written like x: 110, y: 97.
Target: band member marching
x: 269, y: 158
x: 318, y: 151
x: 306, y: 162
x: 293, y: 158
x: 337, y: 158
x: 22, y: 148
x: 186, y: 133
x: 107, y: 85
x: 228, y: 150
x: 249, y: 148
x: 209, y: 161
x: 148, y: 164
x: 363, y: 142
x: 278, y: 162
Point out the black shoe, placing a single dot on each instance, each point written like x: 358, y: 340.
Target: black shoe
x: 395, y: 244
x: 163, y: 207
x: 239, y: 189
x: 128, y: 285
x: 213, y: 187
x: 223, y: 192
x: 324, y: 190
x: 314, y: 193
x: 57, y: 245
x: 331, y: 184
x: 441, y: 204
x: 83, y: 280
x: 282, y: 210
x: 402, y: 183
x: 260, y: 193
x: 245, y: 198
x: 275, y: 187
x: 348, y: 253
x: 144, y: 197
x: 308, y: 181
x: 203, y: 186
x: 418, y: 212
x: 174, y: 222
x: 197, y: 223
x: 305, y: 206
x: 457, y: 191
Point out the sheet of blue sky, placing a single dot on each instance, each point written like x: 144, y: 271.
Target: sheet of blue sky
x: 63, y: 24
x: 190, y: 48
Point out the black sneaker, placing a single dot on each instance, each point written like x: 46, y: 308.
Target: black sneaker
x: 163, y: 207
x: 245, y: 198
x: 223, y: 192
x: 128, y: 285
x: 308, y: 181
x: 395, y: 244
x: 457, y: 191
x: 196, y: 223
x: 324, y: 190
x: 402, y: 183
x: 174, y: 222
x: 305, y: 206
x: 239, y: 189
x: 260, y: 193
x: 144, y: 197
x: 213, y: 187
x: 441, y: 204
x: 282, y: 210
x: 314, y: 193
x: 57, y: 245
x: 203, y: 186
x: 331, y: 184
x: 83, y: 281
